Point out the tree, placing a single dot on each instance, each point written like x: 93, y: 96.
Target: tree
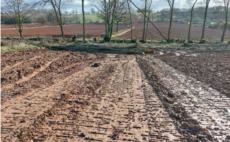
x: 224, y: 11
x: 148, y: 13
x: 171, y: 5
x: 93, y: 11
x: 42, y: 20
x: 83, y: 15
x: 205, y: 16
x: 131, y: 22
x: 120, y: 12
x: 19, y: 10
x: 56, y: 5
x: 106, y: 9
x: 145, y: 11
x: 149, y: 20
x: 191, y: 5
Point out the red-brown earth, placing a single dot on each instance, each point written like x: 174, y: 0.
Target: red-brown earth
x: 178, y: 31
x: 49, y: 30
x: 50, y: 95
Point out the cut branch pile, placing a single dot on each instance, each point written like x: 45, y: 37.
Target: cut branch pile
x: 134, y: 49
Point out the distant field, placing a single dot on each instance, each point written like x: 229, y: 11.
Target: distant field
x: 178, y: 31
x: 49, y: 30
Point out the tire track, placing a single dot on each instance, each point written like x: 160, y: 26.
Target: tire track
x: 206, y: 105
x: 36, y: 102
x: 61, y: 113
x: 186, y: 125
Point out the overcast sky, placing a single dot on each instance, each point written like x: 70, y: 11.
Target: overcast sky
x: 76, y: 4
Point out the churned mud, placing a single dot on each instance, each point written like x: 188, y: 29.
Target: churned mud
x: 76, y: 96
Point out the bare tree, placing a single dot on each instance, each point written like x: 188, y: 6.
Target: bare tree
x: 93, y: 11
x: 171, y: 5
x: 106, y: 9
x: 120, y: 12
x: 205, y: 16
x: 56, y: 4
x: 148, y: 13
x: 223, y: 10
x: 191, y: 4
x: 145, y: 12
x: 42, y: 20
x: 131, y: 20
x: 19, y: 10
x: 83, y: 16
x: 149, y: 20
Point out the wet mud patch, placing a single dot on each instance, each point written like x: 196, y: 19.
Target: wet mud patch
x: 213, y: 69
x: 186, y: 125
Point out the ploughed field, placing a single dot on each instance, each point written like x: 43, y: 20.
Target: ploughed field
x: 177, y: 31
x: 50, y: 95
x: 91, y: 30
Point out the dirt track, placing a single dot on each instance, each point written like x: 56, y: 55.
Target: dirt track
x: 65, y: 96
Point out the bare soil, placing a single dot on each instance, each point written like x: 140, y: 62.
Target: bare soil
x: 213, y: 69
x: 52, y: 95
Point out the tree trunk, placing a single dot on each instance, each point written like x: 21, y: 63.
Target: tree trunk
x: 62, y: 32
x: 226, y: 23
x: 146, y: 33
x: 150, y: 22
x: 21, y: 35
x: 224, y: 30
x: 61, y: 24
x: 111, y: 30
x: 190, y: 25
x: 131, y: 22
x: 205, y: 16
x: 143, y: 37
x: 58, y: 19
x: 117, y: 27
x: 106, y: 31
x: 171, y: 17
x: 83, y: 14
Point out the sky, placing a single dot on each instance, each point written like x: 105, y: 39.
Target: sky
x: 76, y: 4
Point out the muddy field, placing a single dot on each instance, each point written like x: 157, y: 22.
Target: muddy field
x: 91, y: 30
x: 177, y: 31
x: 52, y: 95
x: 213, y: 69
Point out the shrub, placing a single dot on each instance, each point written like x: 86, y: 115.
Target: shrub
x: 3, y: 43
x: 134, y: 41
x: 106, y: 38
x: 102, y: 36
x: 228, y: 42
x: 39, y: 38
x: 143, y: 41
x: 95, y: 39
x: 56, y: 39
x: 8, y: 38
x: 74, y: 38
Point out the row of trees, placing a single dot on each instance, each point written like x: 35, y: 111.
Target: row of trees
x: 114, y: 12
x: 223, y: 8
